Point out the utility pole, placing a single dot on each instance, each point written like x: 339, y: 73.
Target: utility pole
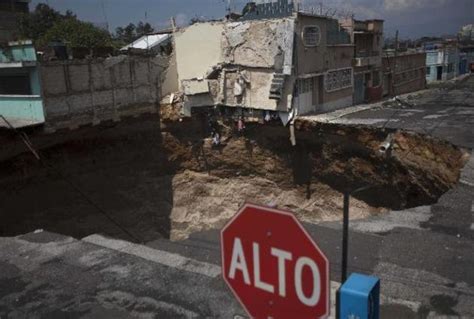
x: 105, y: 15
x: 229, y: 9
x: 396, y: 43
x: 173, y: 24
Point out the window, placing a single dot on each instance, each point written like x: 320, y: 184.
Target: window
x: 311, y: 36
x: 15, y: 85
x: 428, y: 70
x: 338, y: 79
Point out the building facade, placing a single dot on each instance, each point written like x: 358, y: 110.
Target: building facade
x: 367, y: 37
x: 442, y: 62
x: 20, y: 88
x: 403, y: 72
x: 292, y: 63
x: 324, y: 73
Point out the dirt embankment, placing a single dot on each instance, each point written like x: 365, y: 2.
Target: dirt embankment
x: 415, y: 170
x: 165, y: 179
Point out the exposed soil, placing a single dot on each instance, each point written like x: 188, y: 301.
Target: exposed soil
x: 163, y: 178
x: 203, y: 201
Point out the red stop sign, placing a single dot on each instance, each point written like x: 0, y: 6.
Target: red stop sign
x: 273, y: 266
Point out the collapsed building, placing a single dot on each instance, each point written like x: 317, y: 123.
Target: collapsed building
x: 274, y: 61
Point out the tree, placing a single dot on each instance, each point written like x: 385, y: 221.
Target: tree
x: 77, y: 33
x: 127, y: 34
x: 132, y: 32
x: 45, y: 25
x: 33, y: 25
x: 143, y: 29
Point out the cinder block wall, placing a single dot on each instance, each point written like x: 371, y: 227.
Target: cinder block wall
x: 81, y: 92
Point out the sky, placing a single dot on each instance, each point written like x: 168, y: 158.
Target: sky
x: 413, y: 18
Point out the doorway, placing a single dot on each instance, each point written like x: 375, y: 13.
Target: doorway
x: 439, y: 73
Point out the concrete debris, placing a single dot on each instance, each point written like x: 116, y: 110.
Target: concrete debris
x: 193, y: 87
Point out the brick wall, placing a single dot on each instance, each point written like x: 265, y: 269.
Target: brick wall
x: 407, y: 73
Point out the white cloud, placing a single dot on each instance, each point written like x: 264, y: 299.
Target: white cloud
x: 404, y: 5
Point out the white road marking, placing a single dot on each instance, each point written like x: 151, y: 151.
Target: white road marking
x: 206, y: 269
x: 158, y: 256
x: 433, y: 116
x: 462, y: 181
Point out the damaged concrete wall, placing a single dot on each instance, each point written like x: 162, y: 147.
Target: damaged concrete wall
x: 260, y: 44
x: 235, y: 64
x: 81, y: 92
x: 256, y: 93
x: 258, y: 50
x: 170, y: 83
x: 198, y: 48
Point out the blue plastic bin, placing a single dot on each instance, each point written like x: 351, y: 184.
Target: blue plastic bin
x: 360, y: 298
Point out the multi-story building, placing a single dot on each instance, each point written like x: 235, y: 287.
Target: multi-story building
x: 271, y: 59
x: 367, y: 37
x: 442, y: 62
x: 9, y: 11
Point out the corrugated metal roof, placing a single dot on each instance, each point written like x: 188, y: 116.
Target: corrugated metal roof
x: 148, y: 41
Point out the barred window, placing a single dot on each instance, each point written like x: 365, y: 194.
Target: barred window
x: 338, y: 79
x: 311, y: 36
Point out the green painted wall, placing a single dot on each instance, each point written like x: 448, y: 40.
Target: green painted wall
x: 22, y: 108
x: 35, y: 81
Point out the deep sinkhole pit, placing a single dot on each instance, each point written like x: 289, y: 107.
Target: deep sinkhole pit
x: 164, y: 179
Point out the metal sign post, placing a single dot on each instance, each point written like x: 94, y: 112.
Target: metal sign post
x: 345, y: 238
